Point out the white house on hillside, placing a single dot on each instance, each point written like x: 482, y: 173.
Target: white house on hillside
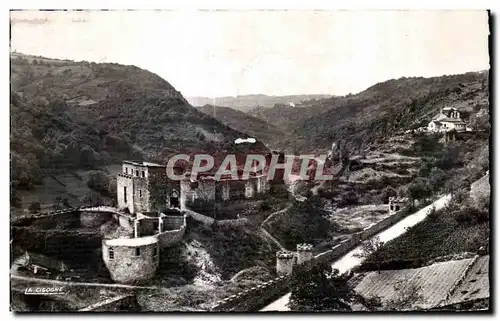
x: 448, y: 119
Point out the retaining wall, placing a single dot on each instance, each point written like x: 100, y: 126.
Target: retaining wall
x: 233, y: 223
x: 257, y: 296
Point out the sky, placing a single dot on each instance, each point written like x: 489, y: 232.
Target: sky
x: 229, y: 53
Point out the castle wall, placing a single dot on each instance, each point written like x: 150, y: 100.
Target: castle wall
x: 141, y: 195
x: 125, y: 222
x: 158, y: 188
x: 199, y: 217
x: 124, y: 180
x: 126, y: 266
x: 169, y: 238
x: 146, y: 226
x: 171, y: 222
x: 254, y: 298
x: 233, y: 223
x: 201, y: 191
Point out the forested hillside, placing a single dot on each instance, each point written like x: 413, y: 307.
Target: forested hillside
x: 378, y: 112
x: 67, y: 115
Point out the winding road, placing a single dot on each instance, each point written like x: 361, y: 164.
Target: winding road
x: 348, y: 261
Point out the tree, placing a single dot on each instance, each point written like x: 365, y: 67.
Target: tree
x: 35, y: 207
x: 419, y: 189
x: 100, y: 182
x: 320, y: 288
x: 371, y: 249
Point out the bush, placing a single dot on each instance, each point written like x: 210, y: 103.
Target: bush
x: 470, y: 216
x: 100, y: 182
x: 348, y: 199
x: 35, y: 207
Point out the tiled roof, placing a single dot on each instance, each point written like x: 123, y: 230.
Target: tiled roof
x: 476, y: 285
x: 435, y: 280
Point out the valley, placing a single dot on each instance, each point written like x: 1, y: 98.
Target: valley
x: 75, y: 124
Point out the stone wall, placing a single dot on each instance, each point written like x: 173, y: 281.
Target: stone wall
x: 125, y: 222
x: 146, y: 226
x: 169, y: 238
x: 233, y: 223
x: 128, y: 267
x: 256, y: 297
x: 203, y: 190
x: 173, y: 222
x: 158, y: 189
x: 176, y: 228
x: 199, y: 217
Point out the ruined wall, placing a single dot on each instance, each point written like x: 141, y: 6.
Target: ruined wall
x: 202, y: 190
x: 126, y: 266
x: 125, y: 180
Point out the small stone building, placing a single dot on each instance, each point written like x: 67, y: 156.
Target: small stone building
x: 397, y: 203
x: 131, y: 260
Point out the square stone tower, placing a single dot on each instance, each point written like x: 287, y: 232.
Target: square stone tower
x: 142, y: 187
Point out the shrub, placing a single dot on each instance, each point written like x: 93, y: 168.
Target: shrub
x: 35, y: 207
x: 470, y: 216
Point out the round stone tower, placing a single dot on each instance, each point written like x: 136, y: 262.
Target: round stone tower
x: 284, y: 262
x: 304, y: 253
